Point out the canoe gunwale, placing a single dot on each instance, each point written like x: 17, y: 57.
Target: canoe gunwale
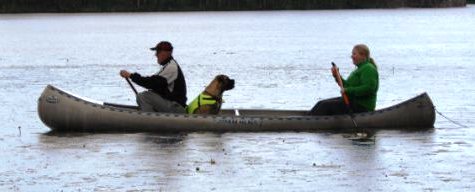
x: 116, y: 107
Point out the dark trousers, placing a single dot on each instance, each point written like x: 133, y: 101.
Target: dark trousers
x: 334, y: 106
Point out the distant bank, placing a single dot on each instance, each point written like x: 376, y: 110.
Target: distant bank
x: 61, y: 6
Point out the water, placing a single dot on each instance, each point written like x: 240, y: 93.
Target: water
x: 280, y: 60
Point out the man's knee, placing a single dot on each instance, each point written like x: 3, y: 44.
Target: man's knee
x: 144, y: 101
x: 139, y: 97
x: 143, y: 97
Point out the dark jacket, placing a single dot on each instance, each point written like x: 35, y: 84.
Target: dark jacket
x: 169, y: 82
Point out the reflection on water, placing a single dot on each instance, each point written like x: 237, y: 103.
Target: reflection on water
x: 166, y: 139
x: 280, y: 60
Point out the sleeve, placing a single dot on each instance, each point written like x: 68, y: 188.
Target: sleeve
x: 369, y: 84
x: 343, y: 81
x: 154, y: 82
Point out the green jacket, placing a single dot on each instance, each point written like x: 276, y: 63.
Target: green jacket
x: 362, y: 85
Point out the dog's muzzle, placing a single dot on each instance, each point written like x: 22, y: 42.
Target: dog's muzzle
x: 229, y: 85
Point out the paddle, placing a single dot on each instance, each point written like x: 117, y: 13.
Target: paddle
x: 365, y: 135
x: 131, y: 86
x: 346, y: 100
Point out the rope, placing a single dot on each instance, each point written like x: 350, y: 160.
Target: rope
x: 454, y: 122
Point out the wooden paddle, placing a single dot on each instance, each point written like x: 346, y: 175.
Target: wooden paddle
x: 346, y: 100
x: 131, y: 86
x: 364, y: 134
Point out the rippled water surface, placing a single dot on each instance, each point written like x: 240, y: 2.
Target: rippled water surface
x: 280, y: 60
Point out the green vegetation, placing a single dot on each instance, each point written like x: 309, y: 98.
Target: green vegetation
x: 22, y: 6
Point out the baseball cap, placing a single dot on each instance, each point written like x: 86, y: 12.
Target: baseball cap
x: 163, y: 46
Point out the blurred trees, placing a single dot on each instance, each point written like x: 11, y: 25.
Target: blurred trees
x: 22, y: 6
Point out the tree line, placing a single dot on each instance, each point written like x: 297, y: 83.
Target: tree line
x: 28, y: 6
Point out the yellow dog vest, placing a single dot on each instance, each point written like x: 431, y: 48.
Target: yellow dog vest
x: 202, y: 99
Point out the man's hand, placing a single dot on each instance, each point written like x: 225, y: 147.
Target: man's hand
x: 124, y: 74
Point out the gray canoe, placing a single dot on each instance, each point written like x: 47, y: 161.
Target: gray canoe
x: 62, y: 111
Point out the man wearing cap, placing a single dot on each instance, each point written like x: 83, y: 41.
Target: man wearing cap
x: 166, y: 89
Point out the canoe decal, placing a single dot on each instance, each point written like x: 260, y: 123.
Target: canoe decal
x: 52, y: 99
x: 240, y: 121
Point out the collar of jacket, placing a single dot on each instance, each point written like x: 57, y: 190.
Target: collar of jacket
x: 362, y: 63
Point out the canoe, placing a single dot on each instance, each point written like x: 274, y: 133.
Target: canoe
x: 63, y: 111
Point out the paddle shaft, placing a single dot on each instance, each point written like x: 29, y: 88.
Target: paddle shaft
x: 346, y: 100
x: 340, y: 84
x: 131, y: 86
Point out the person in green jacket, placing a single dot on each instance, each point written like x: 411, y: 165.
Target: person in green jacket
x: 361, y: 87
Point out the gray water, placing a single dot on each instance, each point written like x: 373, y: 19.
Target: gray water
x: 280, y: 60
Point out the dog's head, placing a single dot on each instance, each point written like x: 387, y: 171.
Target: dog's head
x: 225, y: 82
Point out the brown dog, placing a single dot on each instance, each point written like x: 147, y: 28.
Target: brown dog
x: 210, y: 100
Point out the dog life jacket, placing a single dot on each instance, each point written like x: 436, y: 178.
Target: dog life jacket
x: 202, y: 99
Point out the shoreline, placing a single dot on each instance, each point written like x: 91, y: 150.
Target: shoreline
x: 97, y: 6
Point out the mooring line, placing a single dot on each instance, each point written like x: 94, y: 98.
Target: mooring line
x: 454, y: 122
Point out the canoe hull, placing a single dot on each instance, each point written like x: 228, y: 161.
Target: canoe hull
x: 62, y: 111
